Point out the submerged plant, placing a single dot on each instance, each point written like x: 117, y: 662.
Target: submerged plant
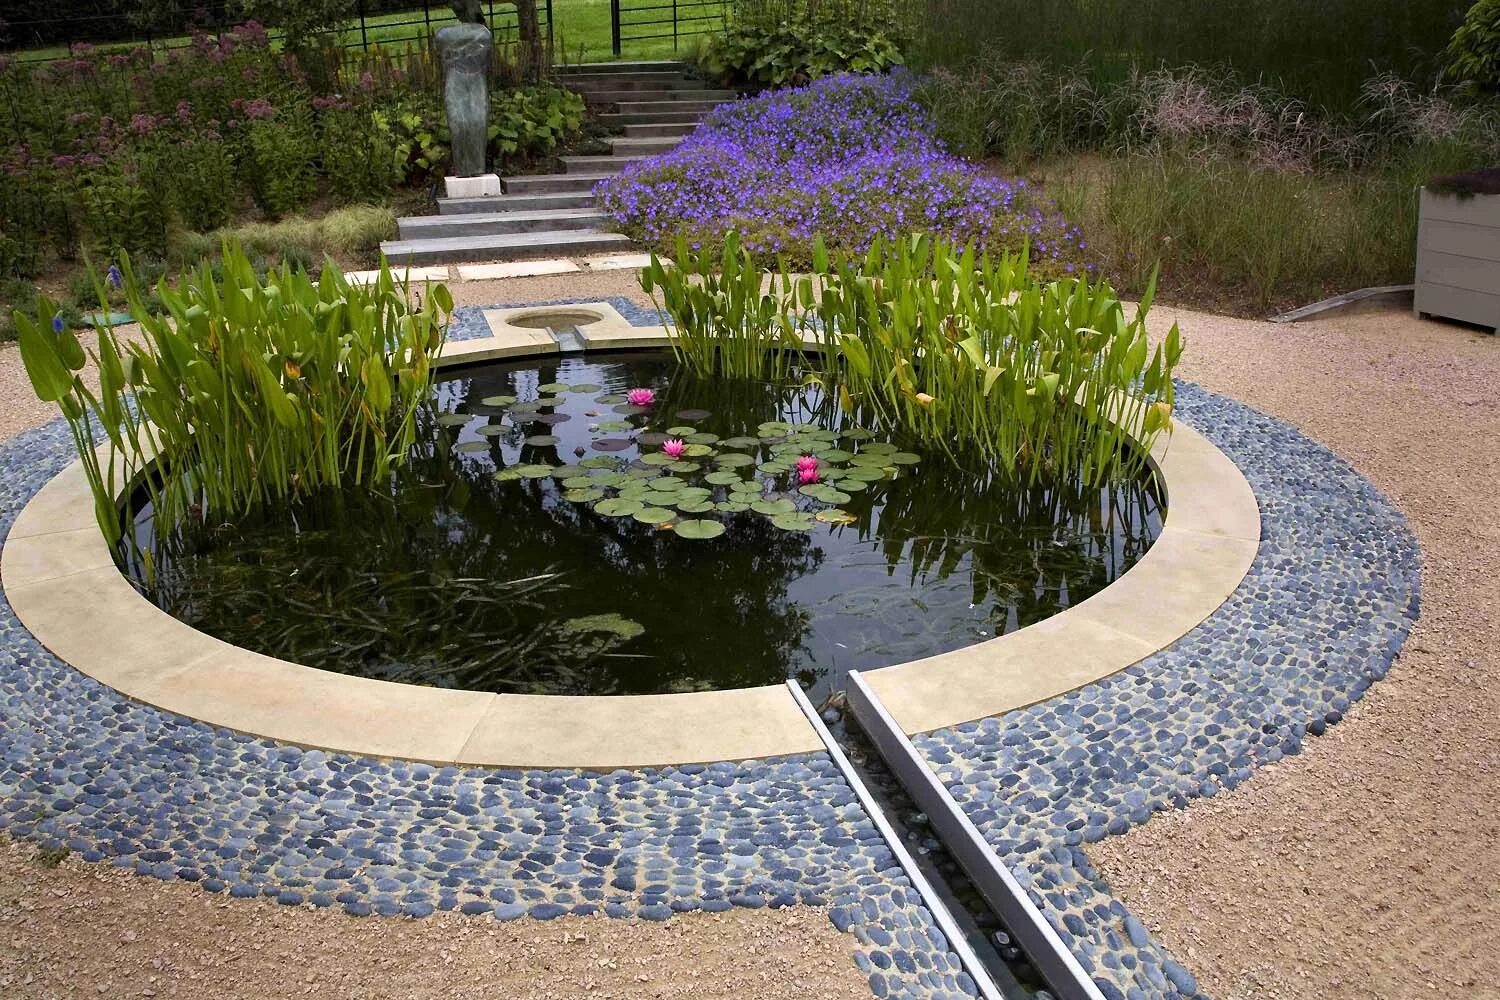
x: 245, y: 389
x: 960, y: 349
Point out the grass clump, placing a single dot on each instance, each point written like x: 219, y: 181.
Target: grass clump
x: 246, y: 390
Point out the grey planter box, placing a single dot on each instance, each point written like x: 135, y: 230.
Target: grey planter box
x: 1458, y: 258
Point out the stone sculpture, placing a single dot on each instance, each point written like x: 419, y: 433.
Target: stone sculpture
x: 465, y: 49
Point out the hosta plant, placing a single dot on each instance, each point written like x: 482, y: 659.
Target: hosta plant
x: 962, y: 349
x: 243, y: 389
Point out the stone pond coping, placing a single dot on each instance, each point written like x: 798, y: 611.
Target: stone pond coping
x: 61, y: 580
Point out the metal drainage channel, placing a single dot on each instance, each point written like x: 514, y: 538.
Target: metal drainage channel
x: 957, y: 837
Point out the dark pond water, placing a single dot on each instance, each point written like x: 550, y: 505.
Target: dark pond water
x: 541, y: 541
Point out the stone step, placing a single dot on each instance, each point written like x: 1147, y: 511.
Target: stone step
x: 514, y: 203
x: 507, y: 246
x: 615, y: 120
x: 654, y: 129
x: 590, y: 85
x: 553, y: 183
x: 428, y: 227
x: 653, y: 110
x: 611, y: 68
x: 625, y: 146
x: 683, y: 96
x: 597, y: 164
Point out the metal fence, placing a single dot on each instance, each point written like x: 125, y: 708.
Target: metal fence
x: 375, y: 23
x: 655, y: 20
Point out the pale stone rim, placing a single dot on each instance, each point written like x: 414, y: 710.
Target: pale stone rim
x: 61, y: 582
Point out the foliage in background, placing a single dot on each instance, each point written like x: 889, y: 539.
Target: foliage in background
x: 1247, y: 197
x: 788, y: 54
x: 301, y: 21
x: 848, y: 158
x: 1474, y: 53
x: 117, y: 150
x: 1318, y: 51
x: 248, y: 390
x: 962, y: 350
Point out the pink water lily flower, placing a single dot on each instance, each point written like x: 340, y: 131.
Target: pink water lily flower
x: 806, y: 462
x: 674, y: 447
x: 640, y: 397
x: 808, y: 475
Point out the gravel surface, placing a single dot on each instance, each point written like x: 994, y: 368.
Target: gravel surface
x: 1368, y: 866
x: 77, y: 930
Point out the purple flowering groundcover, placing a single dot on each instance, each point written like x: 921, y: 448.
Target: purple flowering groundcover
x: 851, y: 158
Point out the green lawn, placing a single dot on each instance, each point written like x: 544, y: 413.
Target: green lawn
x: 580, y: 32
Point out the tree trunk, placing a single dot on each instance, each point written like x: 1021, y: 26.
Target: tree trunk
x: 531, y: 59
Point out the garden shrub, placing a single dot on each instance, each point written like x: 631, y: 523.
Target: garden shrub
x: 280, y: 150
x: 359, y: 152
x: 790, y: 53
x: 1474, y: 53
x: 849, y: 158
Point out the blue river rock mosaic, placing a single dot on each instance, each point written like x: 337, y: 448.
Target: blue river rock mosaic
x: 469, y: 323
x: 1328, y: 602
x: 1320, y: 616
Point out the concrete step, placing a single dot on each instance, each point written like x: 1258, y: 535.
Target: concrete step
x: 684, y: 96
x: 428, y: 227
x: 553, y: 183
x: 628, y: 147
x: 613, y: 68
x: 655, y: 129
x: 653, y: 110
x: 597, y: 164
x: 590, y: 85
x: 512, y: 246
x: 514, y: 203
x: 615, y: 120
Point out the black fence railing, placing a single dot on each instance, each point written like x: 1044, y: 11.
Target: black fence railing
x: 376, y: 22
x: 657, y: 20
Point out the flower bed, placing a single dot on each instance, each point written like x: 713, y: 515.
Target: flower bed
x: 850, y: 158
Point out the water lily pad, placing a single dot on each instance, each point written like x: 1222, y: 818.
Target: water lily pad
x: 877, y: 447
x: 507, y: 475
x: 599, y: 462
x: 652, y: 439
x: 628, y: 408
x: 667, y: 484
x: 870, y: 460
x: 740, y: 442
x: 454, y: 419
x: 658, y: 458
x: 549, y: 418
x: 498, y: 400
x: 537, y: 471
x: 832, y: 515
x: 695, y: 492
x: 584, y: 387
x: 778, y: 426
x: 857, y: 434
x: 747, y: 486
x: 835, y: 455
x: 547, y: 402
x: 793, y: 522
x: 551, y: 388
x: 772, y: 508
x: 864, y: 474
x: 774, y: 468
x: 722, y: 478
x: 771, y: 435
x: 684, y: 466
x: 698, y: 528
x: 833, y: 496
x: 471, y: 446
x: 613, y: 426
x: 905, y: 458
x: 524, y: 407
x: 693, y: 505
x: 851, y: 485
x: 611, y: 444
x: 642, y: 472
x: 697, y: 450
x: 681, y: 430
x: 731, y: 506
x: 637, y: 490
x: 541, y: 440
x: 491, y: 430
x: 580, y: 483
x: 733, y: 461
x: 614, y: 624
x: 693, y: 415
x: 611, y: 399
x: 618, y: 507
x: 583, y: 495
x: 654, y: 515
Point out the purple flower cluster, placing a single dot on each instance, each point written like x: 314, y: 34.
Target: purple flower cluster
x: 850, y: 157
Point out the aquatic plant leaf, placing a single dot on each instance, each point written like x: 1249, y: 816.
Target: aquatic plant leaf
x: 683, y: 465
x: 454, y: 419
x: 541, y: 440
x: 537, y: 471
x: 680, y: 430
x: 832, y: 515
x: 698, y: 528
x: 731, y: 506
x: 652, y: 439
x: 722, y: 478
x: 701, y: 437
x: 498, y: 401
x: 773, y: 508
x: 905, y: 458
x: 611, y: 399
x: 614, y: 624
x: 693, y: 415
x: 666, y: 484
x: 584, y: 387
x: 471, y: 446
x: 693, y: 505
x: 864, y: 473
x: 740, y: 442
x: 583, y: 495
x: 507, y: 475
x: 618, y: 507
x: 551, y: 388
x: 599, y: 462
x: 658, y: 458
x: 851, y: 485
x: 697, y: 450
x: 654, y: 515
x: 613, y: 426
x: 793, y: 522
x: 733, y: 460
x: 611, y: 444
x: 580, y: 483
x: 773, y: 468
x: 491, y: 430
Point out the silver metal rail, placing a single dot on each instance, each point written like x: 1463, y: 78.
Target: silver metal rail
x: 1030, y: 930
x: 940, y: 913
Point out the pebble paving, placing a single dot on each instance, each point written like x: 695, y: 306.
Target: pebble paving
x: 1320, y: 616
x: 468, y: 322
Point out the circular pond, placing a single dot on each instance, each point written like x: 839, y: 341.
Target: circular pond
x: 558, y: 533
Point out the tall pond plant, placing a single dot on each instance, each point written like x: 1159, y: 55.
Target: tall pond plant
x: 243, y: 390
x: 964, y: 350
